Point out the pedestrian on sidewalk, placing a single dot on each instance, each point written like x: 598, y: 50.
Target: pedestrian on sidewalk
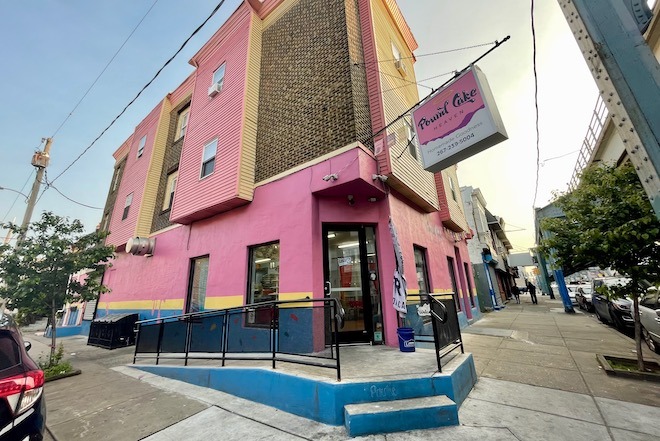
x: 516, y: 293
x: 532, y: 292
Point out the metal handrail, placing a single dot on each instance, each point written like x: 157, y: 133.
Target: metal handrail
x: 442, y: 320
x: 189, y: 318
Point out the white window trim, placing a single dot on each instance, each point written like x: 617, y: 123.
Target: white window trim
x: 172, y: 179
x: 184, y: 115
x: 141, y: 146
x: 201, y: 168
x: 221, y: 81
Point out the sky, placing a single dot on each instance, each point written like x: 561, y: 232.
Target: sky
x: 54, y: 50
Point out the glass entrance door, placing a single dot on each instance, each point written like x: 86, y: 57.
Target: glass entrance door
x: 351, y: 276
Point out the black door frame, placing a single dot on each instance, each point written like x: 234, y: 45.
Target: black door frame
x: 353, y: 336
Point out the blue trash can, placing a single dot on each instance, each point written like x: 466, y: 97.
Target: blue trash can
x: 406, y: 339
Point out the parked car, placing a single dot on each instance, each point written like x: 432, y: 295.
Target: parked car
x: 22, y: 404
x: 572, y: 292
x: 649, y: 314
x: 617, y: 312
x: 583, y: 297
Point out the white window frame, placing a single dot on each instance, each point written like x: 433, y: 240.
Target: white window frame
x: 182, y: 123
x: 410, y: 138
x: 143, y: 143
x: 170, y: 188
x: 127, y: 206
x: 396, y: 53
x: 115, y: 180
x: 221, y: 69
x: 206, y: 159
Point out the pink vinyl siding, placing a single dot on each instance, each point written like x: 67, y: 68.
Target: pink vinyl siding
x: 133, y: 180
x: 219, y: 117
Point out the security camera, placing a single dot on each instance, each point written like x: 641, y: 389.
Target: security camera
x: 381, y: 178
x: 332, y: 177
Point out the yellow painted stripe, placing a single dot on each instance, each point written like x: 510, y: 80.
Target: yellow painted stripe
x: 296, y: 296
x: 143, y: 304
x: 223, y: 302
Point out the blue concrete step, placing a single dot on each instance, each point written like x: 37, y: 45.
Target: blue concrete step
x: 400, y: 415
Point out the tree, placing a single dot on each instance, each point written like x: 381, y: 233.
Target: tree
x: 37, y: 274
x: 610, y: 223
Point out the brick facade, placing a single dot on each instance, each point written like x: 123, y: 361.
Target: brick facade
x: 313, y: 98
x: 170, y: 164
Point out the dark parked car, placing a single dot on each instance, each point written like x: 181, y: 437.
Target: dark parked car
x: 22, y: 404
x: 617, y: 312
x: 583, y: 297
x: 649, y: 314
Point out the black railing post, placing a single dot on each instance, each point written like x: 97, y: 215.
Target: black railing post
x: 436, y: 337
x: 137, y: 342
x: 186, y: 344
x: 225, y: 337
x: 273, y: 310
x: 161, y: 326
x: 336, y: 333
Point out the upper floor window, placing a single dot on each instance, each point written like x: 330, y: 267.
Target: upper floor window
x: 208, y: 158
x: 410, y: 138
x: 127, y: 206
x: 218, y: 80
x: 182, y: 123
x: 398, y: 61
x: 169, y: 190
x: 143, y: 142
x: 452, y: 188
x: 115, y: 179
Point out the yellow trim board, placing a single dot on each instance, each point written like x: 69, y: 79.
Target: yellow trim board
x: 223, y: 302
x: 296, y: 296
x: 143, y: 304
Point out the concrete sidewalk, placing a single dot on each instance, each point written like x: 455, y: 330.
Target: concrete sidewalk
x: 539, y: 380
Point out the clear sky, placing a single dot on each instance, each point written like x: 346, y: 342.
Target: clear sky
x: 54, y: 49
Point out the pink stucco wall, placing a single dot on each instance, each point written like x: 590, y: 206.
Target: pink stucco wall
x: 291, y: 210
x: 133, y: 180
x: 218, y: 117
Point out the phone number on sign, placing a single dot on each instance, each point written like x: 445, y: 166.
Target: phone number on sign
x: 456, y: 143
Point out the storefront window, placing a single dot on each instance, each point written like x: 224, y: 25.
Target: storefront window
x: 454, y: 286
x: 199, y: 271
x: 264, y: 273
x: 421, y: 269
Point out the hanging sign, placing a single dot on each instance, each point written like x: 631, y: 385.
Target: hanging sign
x: 458, y: 121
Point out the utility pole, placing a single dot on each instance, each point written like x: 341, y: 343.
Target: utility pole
x: 40, y: 160
x: 627, y: 75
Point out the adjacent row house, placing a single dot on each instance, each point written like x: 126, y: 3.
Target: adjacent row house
x: 273, y: 170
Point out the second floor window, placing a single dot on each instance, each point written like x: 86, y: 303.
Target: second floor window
x: 127, y: 206
x: 452, y: 188
x: 169, y: 190
x: 208, y: 158
x: 143, y: 142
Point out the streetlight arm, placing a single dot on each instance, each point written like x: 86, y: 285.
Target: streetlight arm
x: 15, y: 191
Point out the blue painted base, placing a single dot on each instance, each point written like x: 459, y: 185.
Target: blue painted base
x: 397, y: 416
x: 323, y: 400
x: 68, y: 331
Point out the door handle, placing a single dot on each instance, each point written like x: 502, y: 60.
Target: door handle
x: 327, y: 288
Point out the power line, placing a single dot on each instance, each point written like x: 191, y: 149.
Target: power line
x: 16, y: 198
x: 536, y: 106
x: 397, y: 77
x: 432, y: 53
x: 560, y: 156
x: 141, y: 90
x: 420, y: 81
x: 104, y: 69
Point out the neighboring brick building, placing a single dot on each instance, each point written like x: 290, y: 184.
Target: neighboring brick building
x: 261, y: 176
